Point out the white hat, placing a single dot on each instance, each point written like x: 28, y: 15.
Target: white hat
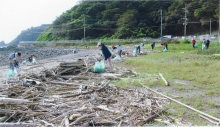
x: 99, y: 43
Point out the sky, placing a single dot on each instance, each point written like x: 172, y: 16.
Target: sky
x: 18, y: 15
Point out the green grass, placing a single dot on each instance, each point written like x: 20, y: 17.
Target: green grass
x: 184, y: 63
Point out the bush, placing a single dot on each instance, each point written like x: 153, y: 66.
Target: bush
x: 175, y: 41
x: 185, y: 41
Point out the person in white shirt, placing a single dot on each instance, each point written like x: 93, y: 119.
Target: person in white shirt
x: 119, y: 48
x: 15, y: 60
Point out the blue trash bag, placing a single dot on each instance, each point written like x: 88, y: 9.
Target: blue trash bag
x: 165, y: 50
x: 196, y: 45
x: 11, y: 73
x: 99, y: 67
x: 203, y: 46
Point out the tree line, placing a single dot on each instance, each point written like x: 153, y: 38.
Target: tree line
x: 133, y: 19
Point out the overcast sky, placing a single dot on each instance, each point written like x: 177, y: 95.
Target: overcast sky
x: 18, y: 15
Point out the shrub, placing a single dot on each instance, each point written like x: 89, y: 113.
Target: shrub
x: 185, y: 41
x: 175, y: 41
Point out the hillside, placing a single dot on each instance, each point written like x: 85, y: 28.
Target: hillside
x: 30, y: 34
x: 2, y: 43
x: 133, y: 19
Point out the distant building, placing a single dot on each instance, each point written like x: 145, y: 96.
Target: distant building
x: 26, y: 43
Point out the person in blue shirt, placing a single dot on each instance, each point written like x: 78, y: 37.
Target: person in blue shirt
x: 107, y: 55
x: 138, y: 49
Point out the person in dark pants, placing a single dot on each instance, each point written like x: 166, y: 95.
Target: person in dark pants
x: 15, y: 60
x: 119, y: 48
x: 152, y: 45
x: 107, y: 55
x: 207, y: 44
x: 138, y: 49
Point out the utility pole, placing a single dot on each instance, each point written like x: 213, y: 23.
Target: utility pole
x: 185, y: 20
x: 161, y: 20
x: 84, y: 24
x: 210, y: 27
x: 219, y: 23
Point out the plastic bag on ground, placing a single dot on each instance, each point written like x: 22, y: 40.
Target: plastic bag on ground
x: 117, y: 57
x: 135, y: 52
x: 34, y: 61
x: 99, y: 67
x: 11, y: 73
x: 165, y: 50
x: 196, y: 45
x: 24, y: 62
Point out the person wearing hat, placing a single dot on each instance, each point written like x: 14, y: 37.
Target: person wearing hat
x: 107, y: 55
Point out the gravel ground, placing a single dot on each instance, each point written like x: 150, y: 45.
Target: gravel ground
x: 40, y: 53
x: 49, y: 59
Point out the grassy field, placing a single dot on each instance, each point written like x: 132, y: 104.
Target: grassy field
x: 192, y: 73
x: 197, y: 68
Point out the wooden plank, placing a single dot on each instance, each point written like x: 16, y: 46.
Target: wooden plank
x: 165, y: 81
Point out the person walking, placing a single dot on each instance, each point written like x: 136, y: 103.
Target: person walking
x: 15, y: 61
x: 107, y: 55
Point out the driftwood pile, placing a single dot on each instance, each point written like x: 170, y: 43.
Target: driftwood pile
x: 72, y: 95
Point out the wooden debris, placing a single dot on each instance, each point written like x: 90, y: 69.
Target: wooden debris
x: 165, y: 81
x: 18, y: 125
x: 71, y: 95
x: 63, y: 83
x: 12, y: 100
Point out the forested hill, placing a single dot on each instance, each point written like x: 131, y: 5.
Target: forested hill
x: 30, y: 34
x: 134, y: 19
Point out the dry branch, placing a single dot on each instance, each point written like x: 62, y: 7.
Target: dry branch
x: 165, y: 81
x: 68, y: 69
x: 62, y: 83
x: 75, y: 77
x: 88, y: 92
x: 187, y: 106
x: 81, y: 118
x: 18, y: 125
x: 13, y: 100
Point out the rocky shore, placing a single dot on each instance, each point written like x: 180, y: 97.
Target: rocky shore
x: 40, y: 53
